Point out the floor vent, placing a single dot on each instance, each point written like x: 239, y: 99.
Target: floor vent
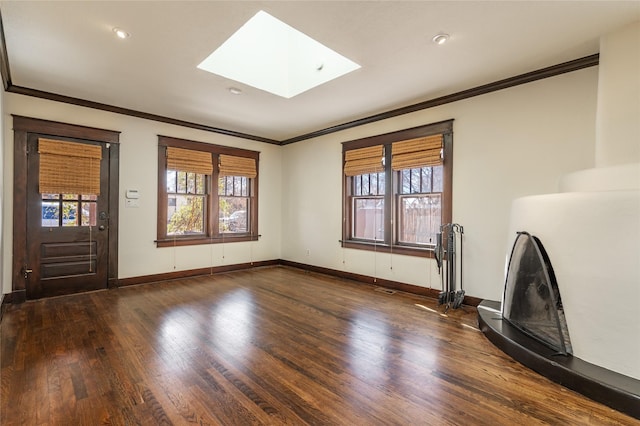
x: 385, y: 290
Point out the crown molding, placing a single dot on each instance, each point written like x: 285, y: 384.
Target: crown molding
x: 565, y: 67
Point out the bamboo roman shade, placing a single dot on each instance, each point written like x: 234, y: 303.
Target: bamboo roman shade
x: 231, y: 165
x: 188, y: 160
x: 69, y: 167
x: 415, y: 153
x: 364, y: 160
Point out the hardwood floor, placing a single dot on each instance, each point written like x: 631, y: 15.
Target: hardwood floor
x: 267, y: 346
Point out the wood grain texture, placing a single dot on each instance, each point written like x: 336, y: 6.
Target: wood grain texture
x: 269, y: 346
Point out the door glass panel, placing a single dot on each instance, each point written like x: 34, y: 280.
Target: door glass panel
x: 89, y: 213
x: 69, y: 213
x: 75, y: 209
x: 50, y: 213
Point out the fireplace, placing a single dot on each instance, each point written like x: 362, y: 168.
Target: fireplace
x: 529, y: 325
x: 531, y: 300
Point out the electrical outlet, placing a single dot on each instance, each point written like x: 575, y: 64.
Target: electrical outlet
x: 308, y: 252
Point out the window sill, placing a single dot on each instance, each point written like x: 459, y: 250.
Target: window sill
x: 385, y: 248
x: 192, y: 241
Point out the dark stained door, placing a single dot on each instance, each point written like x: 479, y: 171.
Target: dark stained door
x: 67, y: 234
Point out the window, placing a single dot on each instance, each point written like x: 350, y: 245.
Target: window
x: 206, y: 193
x: 397, y: 189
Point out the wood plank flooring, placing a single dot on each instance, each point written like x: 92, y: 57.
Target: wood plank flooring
x: 267, y: 346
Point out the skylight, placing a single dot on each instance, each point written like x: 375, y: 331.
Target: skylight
x: 270, y: 55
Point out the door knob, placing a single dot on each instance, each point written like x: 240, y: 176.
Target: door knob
x: 26, y: 271
x: 101, y: 228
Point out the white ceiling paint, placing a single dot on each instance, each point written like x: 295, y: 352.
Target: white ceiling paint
x: 69, y: 48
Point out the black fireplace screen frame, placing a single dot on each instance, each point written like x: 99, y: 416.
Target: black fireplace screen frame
x: 531, y: 299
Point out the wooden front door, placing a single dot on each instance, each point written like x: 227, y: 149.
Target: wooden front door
x: 67, y: 233
x: 64, y: 241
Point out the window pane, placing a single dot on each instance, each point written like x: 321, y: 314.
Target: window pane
x: 182, y: 183
x: 426, y: 179
x: 200, y: 184
x: 171, y: 181
x: 373, y: 184
x: 69, y: 196
x: 437, y: 179
x: 69, y: 213
x: 89, y: 214
x: 245, y: 187
x: 405, y: 181
x: 381, y: 183
x: 415, y: 181
x: 228, y: 185
x: 357, y: 185
x: 186, y: 215
x: 191, y: 183
x: 50, y: 213
x: 89, y: 197
x: 237, y: 186
x: 368, y: 218
x: 50, y: 196
x: 365, y: 185
x: 233, y: 214
x: 419, y: 219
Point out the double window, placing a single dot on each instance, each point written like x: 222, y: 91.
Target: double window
x: 397, y: 189
x: 206, y: 193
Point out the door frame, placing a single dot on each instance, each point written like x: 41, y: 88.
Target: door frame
x: 22, y: 127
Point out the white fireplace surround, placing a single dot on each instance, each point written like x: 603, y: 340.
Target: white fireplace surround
x: 593, y: 240
x: 591, y: 228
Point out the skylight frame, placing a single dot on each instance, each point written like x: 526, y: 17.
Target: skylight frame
x: 270, y: 55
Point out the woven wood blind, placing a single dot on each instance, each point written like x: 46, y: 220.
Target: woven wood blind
x: 414, y: 153
x: 188, y: 160
x: 230, y: 165
x: 364, y: 160
x: 69, y: 167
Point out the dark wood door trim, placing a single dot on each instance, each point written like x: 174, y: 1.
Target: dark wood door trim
x: 22, y: 126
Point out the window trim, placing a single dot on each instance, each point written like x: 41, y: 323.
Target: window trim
x: 389, y: 245
x: 212, y: 235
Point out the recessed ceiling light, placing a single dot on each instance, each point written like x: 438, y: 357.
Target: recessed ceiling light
x: 270, y: 55
x: 235, y: 91
x: 440, y: 38
x: 121, y: 33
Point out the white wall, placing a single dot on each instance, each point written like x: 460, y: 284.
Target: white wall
x: 507, y: 144
x: 138, y: 254
x: 618, y: 118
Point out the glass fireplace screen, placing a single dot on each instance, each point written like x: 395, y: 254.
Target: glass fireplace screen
x: 531, y: 300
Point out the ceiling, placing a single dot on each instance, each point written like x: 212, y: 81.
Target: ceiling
x: 69, y: 49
